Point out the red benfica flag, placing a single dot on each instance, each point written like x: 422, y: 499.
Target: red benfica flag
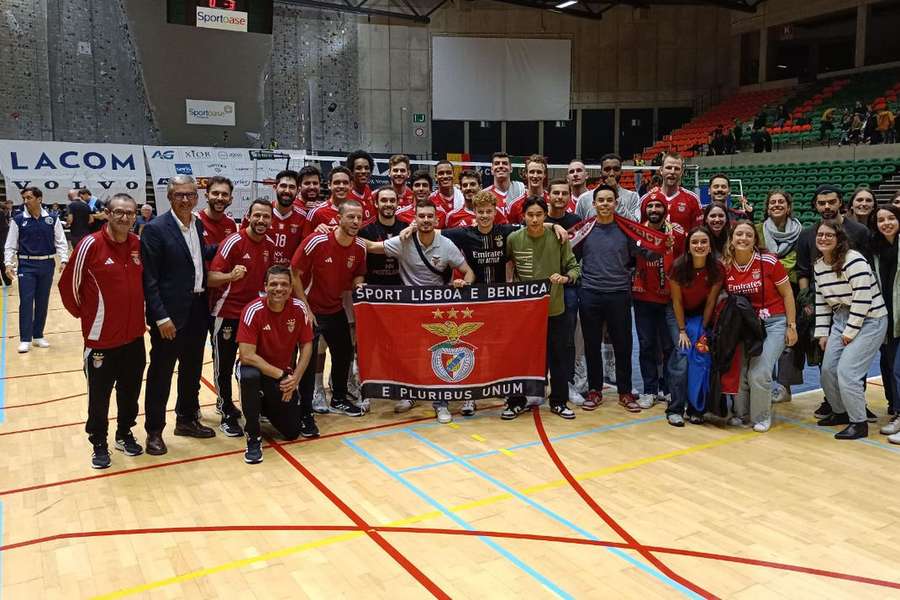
x: 653, y: 240
x: 444, y: 343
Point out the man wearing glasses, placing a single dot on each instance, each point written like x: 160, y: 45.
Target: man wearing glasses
x: 106, y: 271
x: 177, y: 312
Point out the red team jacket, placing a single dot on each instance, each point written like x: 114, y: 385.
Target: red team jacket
x: 257, y: 257
x: 102, y: 285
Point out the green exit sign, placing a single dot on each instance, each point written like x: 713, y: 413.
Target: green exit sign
x: 418, y: 117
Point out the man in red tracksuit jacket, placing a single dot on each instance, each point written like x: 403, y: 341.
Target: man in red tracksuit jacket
x: 102, y: 286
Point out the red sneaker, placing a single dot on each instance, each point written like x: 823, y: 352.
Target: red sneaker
x: 627, y: 402
x: 592, y: 401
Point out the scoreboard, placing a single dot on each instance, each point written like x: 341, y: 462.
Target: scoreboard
x: 253, y: 16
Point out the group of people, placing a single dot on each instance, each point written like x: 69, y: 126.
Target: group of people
x: 271, y: 292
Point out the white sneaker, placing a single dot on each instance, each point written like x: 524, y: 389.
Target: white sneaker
x: 574, y: 397
x: 780, y: 393
x: 894, y: 439
x: 468, y: 408
x: 24, y: 347
x: 443, y: 415
x: 736, y: 422
x: 403, y: 406
x: 41, y: 342
x: 664, y: 398
x: 364, y: 405
x: 892, y: 427
x: 646, y: 401
x: 319, y: 402
x: 763, y: 426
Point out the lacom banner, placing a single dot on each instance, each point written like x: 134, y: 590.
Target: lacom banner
x: 201, y: 163
x: 57, y: 167
x: 444, y: 343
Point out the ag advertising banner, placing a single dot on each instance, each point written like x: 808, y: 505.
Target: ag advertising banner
x: 443, y: 343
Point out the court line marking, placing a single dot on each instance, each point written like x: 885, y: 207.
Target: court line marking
x: 547, y: 512
x: 376, y: 537
x: 12, y: 337
x: 606, y: 517
x: 811, y: 426
x: 450, y: 514
x: 460, y: 532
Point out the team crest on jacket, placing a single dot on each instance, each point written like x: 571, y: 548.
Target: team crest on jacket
x: 498, y: 241
x: 453, y: 359
x: 97, y: 359
x: 350, y: 261
x: 136, y: 258
x: 265, y: 256
x: 226, y: 332
x: 48, y: 220
x: 291, y: 323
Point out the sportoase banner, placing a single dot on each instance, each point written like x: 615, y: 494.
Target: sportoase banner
x: 444, y: 343
x: 57, y: 167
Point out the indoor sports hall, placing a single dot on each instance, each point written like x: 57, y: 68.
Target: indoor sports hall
x: 126, y: 96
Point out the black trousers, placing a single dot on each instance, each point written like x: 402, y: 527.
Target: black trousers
x: 187, y: 350
x: 336, y: 330
x: 121, y: 367
x: 225, y: 348
x: 260, y: 394
x: 559, y: 333
x: 612, y: 309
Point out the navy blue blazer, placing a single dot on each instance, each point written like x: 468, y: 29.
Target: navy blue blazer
x: 169, y: 270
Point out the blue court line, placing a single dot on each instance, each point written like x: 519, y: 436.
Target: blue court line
x: 543, y: 580
x: 532, y: 444
x: 3, y: 355
x: 555, y: 516
x: 869, y: 442
x: 385, y: 432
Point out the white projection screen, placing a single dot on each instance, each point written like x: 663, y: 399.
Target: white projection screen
x: 500, y: 79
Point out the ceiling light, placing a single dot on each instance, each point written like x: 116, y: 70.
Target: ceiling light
x: 566, y: 4
x: 781, y: 66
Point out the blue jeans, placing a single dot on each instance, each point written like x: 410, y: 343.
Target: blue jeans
x: 35, y: 281
x: 655, y: 339
x: 844, y: 367
x: 754, y: 398
x: 677, y: 370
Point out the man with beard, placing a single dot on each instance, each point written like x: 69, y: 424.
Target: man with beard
x: 441, y: 255
x: 683, y: 205
x: 653, y: 316
x: 536, y: 176
x: 216, y: 224
x: 272, y: 330
x: 464, y: 216
x: 288, y: 221
x: 325, y: 266
x: 720, y: 191
x: 628, y: 202
x: 361, y: 165
x: 398, y: 171
x: 446, y: 196
x: 505, y: 189
x: 327, y: 213
x: 310, y: 188
x: 827, y: 201
x: 381, y: 269
x: 421, y: 188
x: 239, y: 267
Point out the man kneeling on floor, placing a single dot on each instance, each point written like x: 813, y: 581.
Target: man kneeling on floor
x: 270, y: 330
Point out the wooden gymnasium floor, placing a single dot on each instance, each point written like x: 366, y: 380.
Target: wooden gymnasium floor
x: 610, y: 505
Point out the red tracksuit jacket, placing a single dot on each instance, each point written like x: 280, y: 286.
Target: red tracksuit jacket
x: 102, y: 285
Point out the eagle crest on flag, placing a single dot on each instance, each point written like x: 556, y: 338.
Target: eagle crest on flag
x: 452, y: 360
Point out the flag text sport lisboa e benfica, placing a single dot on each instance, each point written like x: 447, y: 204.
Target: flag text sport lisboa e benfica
x: 443, y: 343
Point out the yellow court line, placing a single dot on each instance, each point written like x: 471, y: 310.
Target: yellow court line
x: 506, y: 452
x: 427, y: 516
x: 478, y: 438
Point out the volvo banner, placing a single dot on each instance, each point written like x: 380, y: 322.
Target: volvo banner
x: 57, y: 167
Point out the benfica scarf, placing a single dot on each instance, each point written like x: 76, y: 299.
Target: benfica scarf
x: 651, y: 239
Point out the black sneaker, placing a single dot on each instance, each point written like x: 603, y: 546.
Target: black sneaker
x: 511, y: 412
x: 561, y: 410
x: 100, y: 458
x: 128, y: 445
x: 823, y: 411
x: 346, y: 408
x: 308, y: 427
x: 870, y: 416
x: 230, y: 427
x: 253, y: 455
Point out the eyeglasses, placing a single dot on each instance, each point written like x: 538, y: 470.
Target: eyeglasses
x: 123, y: 214
x: 825, y: 236
x: 185, y: 195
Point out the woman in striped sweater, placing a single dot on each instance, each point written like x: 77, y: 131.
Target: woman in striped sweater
x: 851, y: 322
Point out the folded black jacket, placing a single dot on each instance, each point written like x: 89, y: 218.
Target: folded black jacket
x: 736, y: 323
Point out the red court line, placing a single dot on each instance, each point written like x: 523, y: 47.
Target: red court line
x: 458, y: 532
x: 46, y: 333
x: 24, y: 376
x: 379, y: 539
x: 326, y: 436
x: 12, y: 406
x: 621, y: 531
x: 881, y: 385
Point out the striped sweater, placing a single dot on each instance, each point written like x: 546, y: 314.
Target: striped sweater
x: 855, y: 288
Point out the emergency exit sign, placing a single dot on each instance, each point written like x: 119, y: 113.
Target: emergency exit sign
x: 418, y: 117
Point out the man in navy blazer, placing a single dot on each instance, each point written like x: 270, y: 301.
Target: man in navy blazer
x: 177, y: 312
